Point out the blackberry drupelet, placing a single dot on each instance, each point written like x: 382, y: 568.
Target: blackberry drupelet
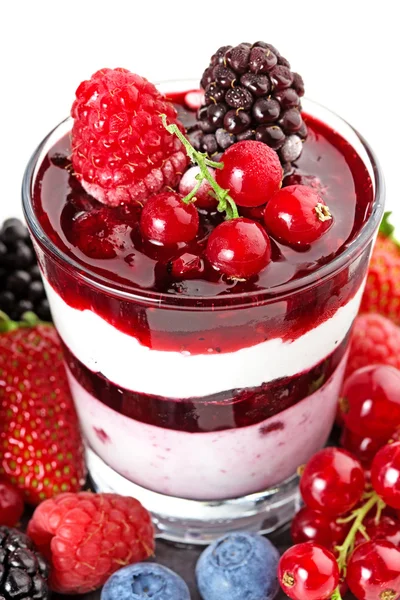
x: 23, y: 571
x: 251, y: 93
x: 21, y: 287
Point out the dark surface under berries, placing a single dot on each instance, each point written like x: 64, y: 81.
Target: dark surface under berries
x: 108, y: 241
x: 21, y: 287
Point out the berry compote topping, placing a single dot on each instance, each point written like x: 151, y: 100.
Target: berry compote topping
x: 109, y: 240
x: 297, y: 215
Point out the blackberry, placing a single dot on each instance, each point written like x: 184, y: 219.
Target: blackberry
x: 20, y: 281
x: 23, y: 571
x: 250, y: 93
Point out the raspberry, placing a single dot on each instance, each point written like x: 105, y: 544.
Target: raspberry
x: 120, y: 150
x: 375, y: 340
x: 86, y: 537
x: 250, y: 93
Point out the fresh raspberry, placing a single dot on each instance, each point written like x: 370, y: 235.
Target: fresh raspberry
x: 382, y: 290
x: 86, y: 537
x: 375, y: 340
x: 121, y: 151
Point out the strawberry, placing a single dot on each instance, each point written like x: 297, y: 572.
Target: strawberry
x: 375, y: 340
x: 41, y: 450
x: 382, y: 290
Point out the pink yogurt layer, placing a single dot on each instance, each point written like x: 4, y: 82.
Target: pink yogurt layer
x: 216, y: 465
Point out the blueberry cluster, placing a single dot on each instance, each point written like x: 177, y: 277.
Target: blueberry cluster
x: 21, y: 287
x: 251, y: 93
x: 23, y: 571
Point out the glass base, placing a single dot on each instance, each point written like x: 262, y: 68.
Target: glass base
x: 200, y: 522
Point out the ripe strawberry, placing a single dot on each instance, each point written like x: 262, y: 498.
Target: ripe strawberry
x: 382, y: 291
x: 41, y: 449
x: 86, y: 537
x: 374, y: 340
x: 121, y: 151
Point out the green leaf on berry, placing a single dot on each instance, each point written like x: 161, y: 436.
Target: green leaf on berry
x: 225, y: 203
x: 28, y: 319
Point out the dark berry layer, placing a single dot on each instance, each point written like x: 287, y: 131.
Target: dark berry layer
x: 225, y: 410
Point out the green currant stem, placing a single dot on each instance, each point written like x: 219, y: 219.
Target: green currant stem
x: 225, y: 203
x: 336, y: 595
x: 358, y: 516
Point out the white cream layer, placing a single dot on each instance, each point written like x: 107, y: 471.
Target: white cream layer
x: 129, y: 364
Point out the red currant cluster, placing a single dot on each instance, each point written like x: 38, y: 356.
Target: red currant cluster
x: 348, y: 534
x: 248, y: 176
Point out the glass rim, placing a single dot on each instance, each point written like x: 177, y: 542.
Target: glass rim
x: 131, y: 293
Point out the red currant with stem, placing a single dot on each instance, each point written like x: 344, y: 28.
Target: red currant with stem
x: 373, y: 571
x: 312, y: 526
x: 332, y: 481
x: 308, y: 572
x: 385, y: 474
x: 11, y: 504
x: 297, y: 216
x: 167, y: 220
x: 239, y: 248
x: 251, y: 172
x: 371, y: 401
x: 204, y: 197
x: 364, y: 448
x: 385, y: 528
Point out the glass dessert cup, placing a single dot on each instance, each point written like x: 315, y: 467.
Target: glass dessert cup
x: 203, y: 408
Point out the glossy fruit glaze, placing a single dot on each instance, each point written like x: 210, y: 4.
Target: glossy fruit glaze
x: 107, y: 241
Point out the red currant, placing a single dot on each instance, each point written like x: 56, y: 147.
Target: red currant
x: 297, y: 216
x: 373, y: 571
x: 166, y: 220
x: 11, y: 504
x: 364, y: 448
x: 385, y: 474
x: 332, y: 482
x: 387, y: 528
x: 239, y: 248
x: 312, y: 526
x: 371, y: 401
x: 252, y: 173
x: 203, y: 197
x: 308, y: 572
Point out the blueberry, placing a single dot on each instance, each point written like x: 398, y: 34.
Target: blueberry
x: 238, y: 566
x: 144, y: 581
x: 13, y: 230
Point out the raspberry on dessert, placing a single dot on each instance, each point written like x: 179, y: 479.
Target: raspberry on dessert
x: 121, y: 152
x: 23, y: 571
x: 252, y: 173
x: 256, y: 96
x: 87, y: 537
x: 239, y: 248
x: 374, y: 340
x: 167, y: 220
x: 297, y: 216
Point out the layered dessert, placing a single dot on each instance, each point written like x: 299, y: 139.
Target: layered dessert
x: 204, y: 258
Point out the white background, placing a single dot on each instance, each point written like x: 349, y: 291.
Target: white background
x: 347, y: 51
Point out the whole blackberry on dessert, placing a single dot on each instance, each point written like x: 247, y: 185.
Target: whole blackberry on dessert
x: 251, y: 93
x: 23, y: 570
